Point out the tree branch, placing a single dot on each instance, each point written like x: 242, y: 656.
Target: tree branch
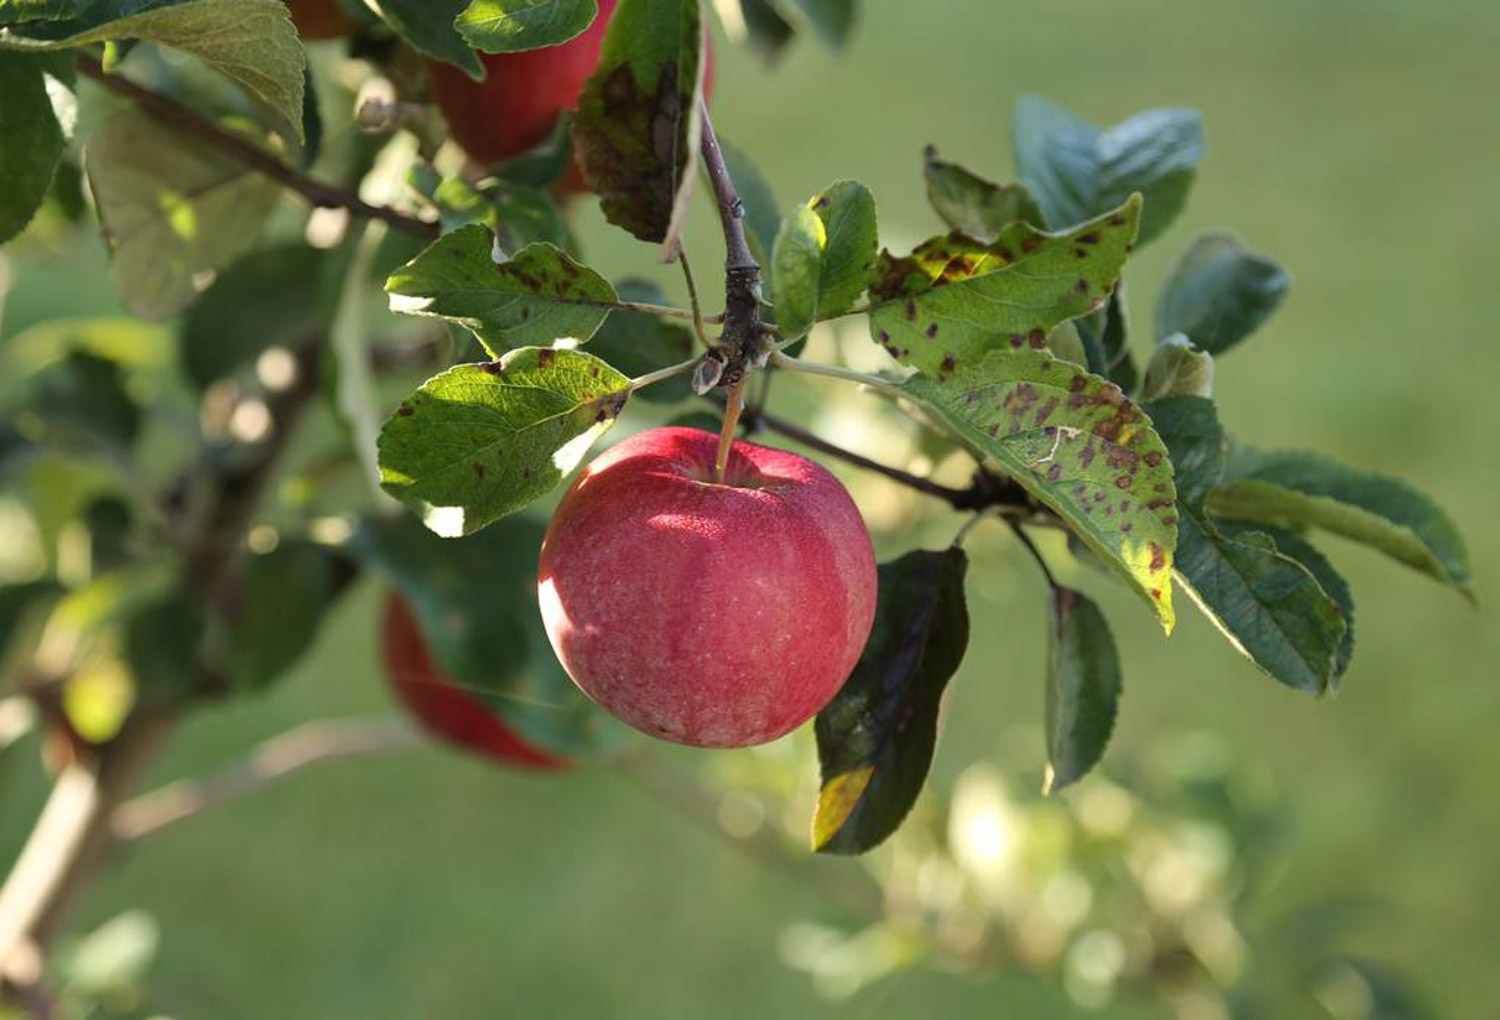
x: 319, y: 193
x: 282, y: 755
x: 742, y: 344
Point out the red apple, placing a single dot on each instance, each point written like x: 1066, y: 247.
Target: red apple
x: 711, y: 615
x: 443, y: 709
x: 517, y: 105
x: 320, y: 19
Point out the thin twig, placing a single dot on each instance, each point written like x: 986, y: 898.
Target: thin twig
x: 319, y: 193
x: 875, y: 382
x: 692, y: 289
x: 282, y: 755
x: 1036, y: 553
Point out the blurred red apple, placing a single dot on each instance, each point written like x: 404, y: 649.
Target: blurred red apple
x: 517, y: 105
x: 711, y: 615
x: 446, y: 711
x: 320, y: 19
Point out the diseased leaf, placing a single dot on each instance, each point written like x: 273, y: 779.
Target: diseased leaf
x: 1270, y: 607
x: 1219, y: 292
x: 1299, y: 489
x: 968, y: 202
x: 172, y: 207
x: 954, y: 299
x: 429, y: 26
x: 1077, y: 444
x: 31, y: 141
x: 279, y: 607
x: 232, y: 323
x: 1178, y: 369
x: 510, y: 26
x: 1076, y: 171
x: 876, y: 737
x: 476, y: 601
x: 1083, y: 688
x: 251, y: 42
x: 637, y: 130
x: 636, y: 343
x: 481, y: 441
x: 538, y: 296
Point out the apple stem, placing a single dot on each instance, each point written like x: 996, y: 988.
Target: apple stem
x: 732, y: 408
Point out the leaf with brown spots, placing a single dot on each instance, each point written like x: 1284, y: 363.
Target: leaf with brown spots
x: 955, y: 297
x: 1077, y: 444
x: 482, y: 441
x: 637, y: 131
x: 539, y: 296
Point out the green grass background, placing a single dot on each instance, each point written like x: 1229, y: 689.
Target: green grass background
x: 1355, y: 141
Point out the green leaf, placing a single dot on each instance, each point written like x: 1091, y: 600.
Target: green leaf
x: 476, y: 601
x: 481, y: 441
x: 832, y: 20
x: 795, y: 268
x: 232, y: 323
x: 31, y: 141
x: 163, y: 639
x: 429, y: 26
x: 968, y: 202
x: 1219, y: 292
x: 1078, y: 445
x: 954, y: 299
x: 1270, y: 607
x: 1106, y: 336
x: 1178, y: 369
x: 538, y: 296
x: 1299, y: 489
x: 637, y: 130
x: 82, y: 398
x: 762, y: 211
x: 280, y: 604
x: 1077, y: 171
x: 876, y: 737
x: 251, y: 42
x: 1083, y: 688
x: 510, y: 26
x: 172, y: 206
x: 636, y: 343
x: 518, y: 214
x: 768, y: 31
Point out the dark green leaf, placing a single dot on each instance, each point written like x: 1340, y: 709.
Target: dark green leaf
x: 1270, y: 607
x: 83, y: 398
x: 1078, y: 445
x: 429, y: 26
x: 1077, y: 171
x: 518, y: 214
x: 1219, y: 292
x: 636, y: 343
x: 769, y: 32
x: 1106, y: 336
x: 537, y: 296
x: 280, y: 605
x: 832, y: 20
x: 968, y: 202
x: 1083, y: 688
x: 637, y: 129
x: 271, y: 297
x: 482, y: 441
x: 954, y: 299
x: 546, y: 161
x: 251, y: 42
x: 31, y: 141
x: 1299, y: 489
x: 510, y: 26
x: 476, y: 601
x: 163, y: 639
x: 876, y: 737
x: 172, y: 207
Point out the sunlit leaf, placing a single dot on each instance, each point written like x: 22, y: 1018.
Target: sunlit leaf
x: 510, y: 26
x: 430, y: 26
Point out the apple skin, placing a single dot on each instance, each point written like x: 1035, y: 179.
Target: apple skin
x: 517, y: 105
x: 709, y: 615
x: 444, y: 710
x: 320, y: 19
